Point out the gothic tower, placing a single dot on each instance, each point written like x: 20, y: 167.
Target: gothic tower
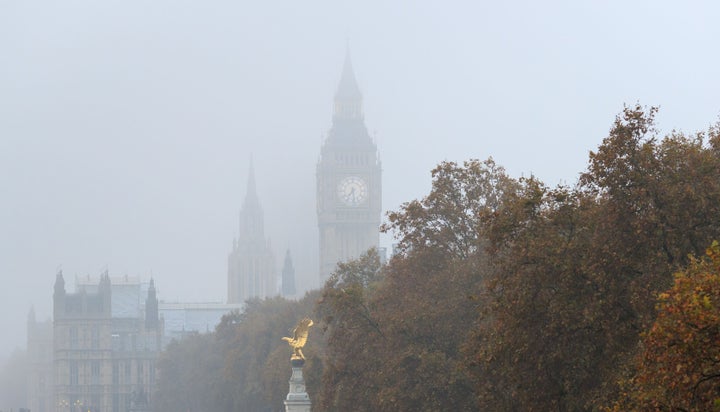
x: 348, y: 181
x: 152, y: 317
x: 251, y: 265
x: 288, y: 277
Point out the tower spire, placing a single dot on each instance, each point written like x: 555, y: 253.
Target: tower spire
x: 348, y: 99
x: 59, y: 283
x: 251, y: 198
x: 59, y: 296
x: 288, y: 276
x: 151, y: 307
x: 251, y: 215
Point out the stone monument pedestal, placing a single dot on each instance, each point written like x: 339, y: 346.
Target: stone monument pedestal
x: 297, y: 399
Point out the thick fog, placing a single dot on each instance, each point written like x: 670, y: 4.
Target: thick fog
x: 127, y: 127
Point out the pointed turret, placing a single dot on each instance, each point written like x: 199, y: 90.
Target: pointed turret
x: 348, y: 88
x: 59, y: 284
x: 151, y: 307
x: 59, y: 296
x: 251, y: 197
x: 251, y: 214
x: 348, y: 130
x: 288, y: 276
x: 348, y: 99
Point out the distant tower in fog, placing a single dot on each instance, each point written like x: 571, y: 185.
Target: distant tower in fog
x: 251, y: 265
x: 288, y: 277
x: 349, y: 187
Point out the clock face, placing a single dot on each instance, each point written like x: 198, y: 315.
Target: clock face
x: 352, y: 191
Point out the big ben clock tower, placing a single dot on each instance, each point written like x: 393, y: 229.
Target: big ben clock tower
x: 349, y: 183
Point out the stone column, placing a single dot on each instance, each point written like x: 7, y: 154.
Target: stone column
x: 297, y: 399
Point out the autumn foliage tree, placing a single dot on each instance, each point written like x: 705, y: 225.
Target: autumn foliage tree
x: 355, y: 340
x: 679, y: 366
x: 575, y: 269
x: 449, y: 220
x: 545, y: 334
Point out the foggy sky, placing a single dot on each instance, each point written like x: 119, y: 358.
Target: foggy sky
x: 127, y: 127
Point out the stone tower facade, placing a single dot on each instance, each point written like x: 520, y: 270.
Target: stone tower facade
x: 349, y: 185
x: 251, y: 264
x: 104, y: 347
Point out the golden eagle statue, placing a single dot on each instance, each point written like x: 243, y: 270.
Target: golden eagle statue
x: 300, y: 335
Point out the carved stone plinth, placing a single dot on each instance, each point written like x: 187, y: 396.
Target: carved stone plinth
x: 297, y: 399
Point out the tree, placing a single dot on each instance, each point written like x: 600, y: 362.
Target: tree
x: 679, y: 365
x: 449, y: 220
x: 575, y: 270
x: 427, y: 313
x: 664, y: 194
x: 188, y: 378
x: 554, y: 321
x: 354, y: 337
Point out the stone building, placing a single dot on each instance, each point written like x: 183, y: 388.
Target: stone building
x: 107, y: 336
x: 349, y: 186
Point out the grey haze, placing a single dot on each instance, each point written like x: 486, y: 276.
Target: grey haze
x: 127, y: 127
